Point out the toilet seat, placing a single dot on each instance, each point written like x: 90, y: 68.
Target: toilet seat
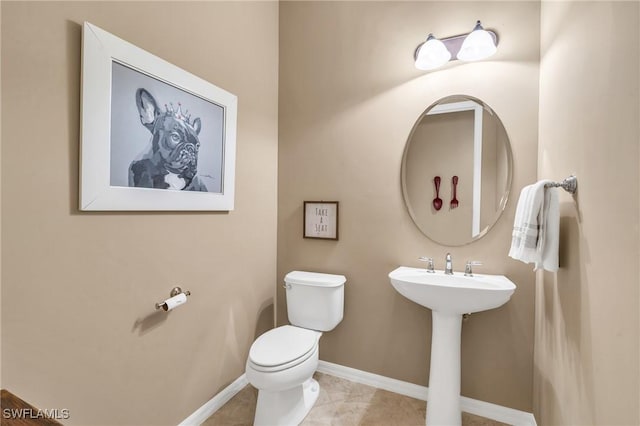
x: 282, y: 348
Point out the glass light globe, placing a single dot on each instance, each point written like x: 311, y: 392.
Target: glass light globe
x: 479, y: 44
x: 432, y: 54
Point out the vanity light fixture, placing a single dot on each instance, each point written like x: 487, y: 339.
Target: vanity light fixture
x: 474, y: 46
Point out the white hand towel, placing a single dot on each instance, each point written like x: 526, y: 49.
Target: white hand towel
x: 536, y: 229
x: 548, y: 251
x: 526, y: 227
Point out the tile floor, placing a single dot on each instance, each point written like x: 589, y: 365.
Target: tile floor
x: 342, y: 403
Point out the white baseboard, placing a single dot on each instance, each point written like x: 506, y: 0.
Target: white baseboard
x: 469, y: 405
x: 375, y: 380
x: 496, y: 412
x: 214, y: 404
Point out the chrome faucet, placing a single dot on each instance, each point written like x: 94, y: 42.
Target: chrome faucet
x: 429, y: 261
x: 448, y: 270
x: 468, y: 272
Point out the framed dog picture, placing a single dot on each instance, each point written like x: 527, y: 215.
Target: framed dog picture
x: 153, y: 136
x: 321, y: 220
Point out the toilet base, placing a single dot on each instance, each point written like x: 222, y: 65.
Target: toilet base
x: 286, y: 408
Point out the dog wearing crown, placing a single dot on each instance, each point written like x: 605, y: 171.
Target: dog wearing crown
x: 172, y: 159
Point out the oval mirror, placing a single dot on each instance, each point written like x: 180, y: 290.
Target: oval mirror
x: 460, y: 142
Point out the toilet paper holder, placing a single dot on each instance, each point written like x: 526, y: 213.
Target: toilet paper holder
x: 174, y: 292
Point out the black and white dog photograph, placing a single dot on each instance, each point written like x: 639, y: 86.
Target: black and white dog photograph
x: 163, y: 137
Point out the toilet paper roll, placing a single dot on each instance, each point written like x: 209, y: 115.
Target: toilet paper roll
x: 171, y: 303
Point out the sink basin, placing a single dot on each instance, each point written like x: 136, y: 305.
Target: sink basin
x: 448, y: 297
x: 454, y: 294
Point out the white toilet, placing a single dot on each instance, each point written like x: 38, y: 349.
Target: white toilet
x: 282, y: 361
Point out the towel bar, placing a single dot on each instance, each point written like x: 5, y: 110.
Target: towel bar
x: 570, y: 184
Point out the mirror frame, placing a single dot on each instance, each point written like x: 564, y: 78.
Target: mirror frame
x: 509, y: 153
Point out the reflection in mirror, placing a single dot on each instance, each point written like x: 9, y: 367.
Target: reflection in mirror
x: 457, y: 136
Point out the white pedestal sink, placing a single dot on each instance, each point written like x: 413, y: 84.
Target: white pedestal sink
x: 448, y: 297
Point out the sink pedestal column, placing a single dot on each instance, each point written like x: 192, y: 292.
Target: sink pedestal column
x: 443, y: 407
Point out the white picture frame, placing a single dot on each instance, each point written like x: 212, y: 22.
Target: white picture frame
x: 111, y: 177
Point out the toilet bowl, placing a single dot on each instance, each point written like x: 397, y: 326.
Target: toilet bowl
x: 281, y: 364
x: 282, y: 361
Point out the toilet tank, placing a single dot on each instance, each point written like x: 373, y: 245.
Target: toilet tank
x: 314, y: 300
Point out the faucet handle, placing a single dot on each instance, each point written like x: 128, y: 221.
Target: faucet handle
x: 468, y: 272
x: 429, y: 261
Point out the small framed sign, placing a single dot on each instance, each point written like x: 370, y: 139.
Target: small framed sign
x: 321, y: 220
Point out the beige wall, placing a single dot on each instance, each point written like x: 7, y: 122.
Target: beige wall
x: 79, y: 330
x: 349, y: 96
x: 587, y: 323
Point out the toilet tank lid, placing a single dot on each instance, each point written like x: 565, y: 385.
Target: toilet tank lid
x: 314, y: 279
